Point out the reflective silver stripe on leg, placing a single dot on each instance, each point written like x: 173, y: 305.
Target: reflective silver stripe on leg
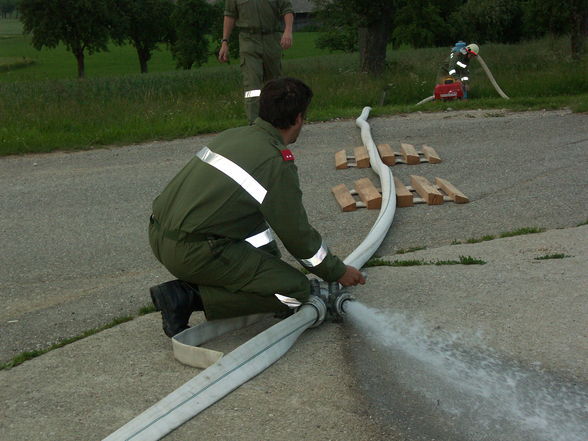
x: 261, y: 239
x: 318, y: 257
x: 233, y: 171
x: 465, y: 79
x: 252, y: 93
x: 452, y: 71
x: 460, y: 64
x: 290, y: 302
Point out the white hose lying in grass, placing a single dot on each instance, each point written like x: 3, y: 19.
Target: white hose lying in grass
x: 256, y: 355
x: 426, y: 100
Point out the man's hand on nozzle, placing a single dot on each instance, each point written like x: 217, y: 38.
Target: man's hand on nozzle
x: 352, y: 277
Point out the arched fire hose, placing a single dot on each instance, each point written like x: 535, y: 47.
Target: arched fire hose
x: 488, y: 74
x: 256, y: 355
x: 491, y: 78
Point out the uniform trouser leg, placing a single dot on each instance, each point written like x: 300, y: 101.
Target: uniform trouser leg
x: 273, y: 276
x: 272, y: 57
x: 260, y: 62
x: 233, y: 277
x: 250, y: 49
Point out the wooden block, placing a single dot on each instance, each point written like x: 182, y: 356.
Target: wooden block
x: 344, y: 198
x: 457, y: 196
x: 362, y: 157
x: 431, y: 154
x: 387, y: 154
x: 410, y: 154
x: 403, y: 194
x: 341, y: 160
x: 426, y: 190
x: 368, y: 193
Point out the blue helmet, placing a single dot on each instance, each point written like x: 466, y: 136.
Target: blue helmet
x: 458, y: 46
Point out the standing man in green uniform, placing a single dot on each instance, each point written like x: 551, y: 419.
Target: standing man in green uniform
x: 213, y: 225
x: 260, y: 43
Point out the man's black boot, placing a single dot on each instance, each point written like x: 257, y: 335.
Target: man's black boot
x: 176, y: 300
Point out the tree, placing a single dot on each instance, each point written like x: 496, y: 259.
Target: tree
x: 370, y: 19
x: 144, y: 24
x: 420, y: 24
x: 498, y: 21
x: 559, y: 17
x: 81, y: 25
x: 192, y: 20
x: 7, y: 7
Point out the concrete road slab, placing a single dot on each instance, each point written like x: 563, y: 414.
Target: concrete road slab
x: 75, y: 256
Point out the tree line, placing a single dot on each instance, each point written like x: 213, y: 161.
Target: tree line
x: 367, y: 26
x: 88, y: 26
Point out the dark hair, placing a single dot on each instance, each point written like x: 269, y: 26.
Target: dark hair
x: 282, y: 99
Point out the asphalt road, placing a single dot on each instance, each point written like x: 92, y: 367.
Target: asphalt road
x: 73, y: 226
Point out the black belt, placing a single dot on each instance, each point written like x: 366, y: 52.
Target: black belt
x: 256, y: 31
x: 182, y: 235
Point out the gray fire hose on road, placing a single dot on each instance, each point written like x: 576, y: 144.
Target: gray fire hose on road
x: 488, y: 74
x: 256, y: 355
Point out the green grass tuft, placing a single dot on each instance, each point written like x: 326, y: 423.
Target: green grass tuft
x: 463, y: 260
x: 552, y: 256
x: 522, y: 231
x: 410, y: 250
x: 469, y: 260
x: 147, y: 310
x: 481, y: 239
x: 413, y: 262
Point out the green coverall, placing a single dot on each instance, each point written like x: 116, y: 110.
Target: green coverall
x: 457, y: 67
x: 259, y: 44
x: 210, y: 225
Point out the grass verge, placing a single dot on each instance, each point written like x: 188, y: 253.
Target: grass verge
x: 48, y: 111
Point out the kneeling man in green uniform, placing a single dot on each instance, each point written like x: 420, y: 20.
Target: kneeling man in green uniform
x: 213, y: 225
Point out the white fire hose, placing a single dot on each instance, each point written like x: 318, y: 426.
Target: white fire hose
x: 256, y: 355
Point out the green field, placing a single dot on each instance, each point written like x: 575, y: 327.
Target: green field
x: 43, y: 107
x: 58, y: 63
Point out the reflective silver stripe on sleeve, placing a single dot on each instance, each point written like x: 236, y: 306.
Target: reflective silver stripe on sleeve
x: 465, y: 79
x: 233, y: 171
x: 318, y: 257
x: 252, y: 93
x: 452, y: 71
x: 290, y: 302
x: 460, y: 64
x: 261, y: 239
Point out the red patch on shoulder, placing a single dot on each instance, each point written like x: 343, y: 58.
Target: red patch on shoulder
x: 287, y: 155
